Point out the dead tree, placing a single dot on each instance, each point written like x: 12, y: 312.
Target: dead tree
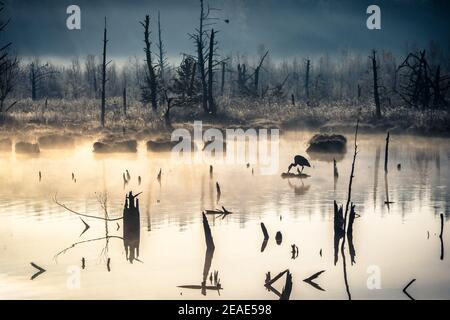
x: 307, y: 76
x: 149, y: 91
x: 162, y: 61
x: 211, y: 103
x: 124, y: 100
x: 376, y: 94
x: 257, y: 73
x: 222, y: 86
x: 421, y: 85
x: 103, y: 103
x: 200, y: 39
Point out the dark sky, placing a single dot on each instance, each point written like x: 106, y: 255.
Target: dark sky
x: 287, y: 27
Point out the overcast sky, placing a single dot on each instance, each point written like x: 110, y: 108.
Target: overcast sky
x: 286, y: 27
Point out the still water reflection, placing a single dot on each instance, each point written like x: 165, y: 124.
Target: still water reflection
x: 161, y: 252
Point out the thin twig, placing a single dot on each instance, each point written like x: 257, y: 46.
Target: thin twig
x: 81, y: 214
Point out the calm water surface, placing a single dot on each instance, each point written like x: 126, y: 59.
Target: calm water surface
x: 397, y: 243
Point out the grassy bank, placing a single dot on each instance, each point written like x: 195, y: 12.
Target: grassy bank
x: 81, y: 117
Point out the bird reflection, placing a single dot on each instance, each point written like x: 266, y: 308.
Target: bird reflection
x: 299, y: 190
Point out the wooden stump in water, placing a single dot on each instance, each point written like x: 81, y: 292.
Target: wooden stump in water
x: 264, y: 230
x: 208, y: 236
x: 278, y: 238
x: 131, y: 227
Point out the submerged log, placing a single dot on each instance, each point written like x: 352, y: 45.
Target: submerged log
x: 220, y: 213
x: 160, y: 145
x: 127, y: 146
x: 287, y: 175
x: 327, y: 143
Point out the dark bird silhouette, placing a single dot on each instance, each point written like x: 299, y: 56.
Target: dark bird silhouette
x: 299, y: 161
x: 227, y: 20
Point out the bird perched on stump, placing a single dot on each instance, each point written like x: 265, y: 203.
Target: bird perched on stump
x: 299, y: 161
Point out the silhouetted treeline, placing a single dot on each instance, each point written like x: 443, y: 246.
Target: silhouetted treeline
x: 346, y: 76
x: 417, y: 79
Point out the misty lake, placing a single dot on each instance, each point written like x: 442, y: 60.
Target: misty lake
x: 394, y: 242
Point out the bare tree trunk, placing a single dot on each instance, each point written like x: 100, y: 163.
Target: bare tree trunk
x: 151, y: 78
x: 161, y: 59
x: 376, y: 94
x: 192, y: 81
x: 386, y: 153
x: 307, y: 76
x: 33, y: 82
x: 222, y: 87
x: 211, y: 102
x: 102, y: 116
x: 257, y: 70
x: 201, y: 58
x: 124, y: 100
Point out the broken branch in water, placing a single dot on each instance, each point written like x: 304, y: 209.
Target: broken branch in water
x: 286, y: 291
x: 208, y: 236
x: 85, y: 241
x: 82, y: 214
x: 86, y: 227
x: 313, y: 277
x: 264, y: 231
x: 221, y: 213
x: 40, y: 270
x: 407, y: 286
